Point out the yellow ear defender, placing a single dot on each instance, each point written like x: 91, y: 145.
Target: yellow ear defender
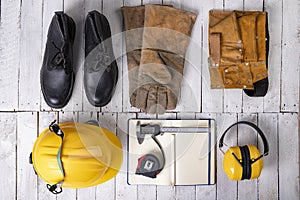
x: 76, y: 155
x: 244, y: 162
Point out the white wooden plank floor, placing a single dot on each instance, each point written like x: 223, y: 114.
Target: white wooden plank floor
x: 23, y: 112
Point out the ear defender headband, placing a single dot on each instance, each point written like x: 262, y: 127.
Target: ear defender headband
x: 244, y: 162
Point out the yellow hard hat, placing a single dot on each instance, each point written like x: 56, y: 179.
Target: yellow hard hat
x: 84, y: 155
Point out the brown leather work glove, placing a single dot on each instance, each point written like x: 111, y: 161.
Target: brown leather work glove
x: 134, y: 23
x: 237, y: 48
x: 165, y: 40
x: 134, y: 27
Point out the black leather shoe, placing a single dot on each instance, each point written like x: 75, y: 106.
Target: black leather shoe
x: 100, y: 67
x: 57, y: 74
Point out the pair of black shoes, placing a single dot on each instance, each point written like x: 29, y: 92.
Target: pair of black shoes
x: 100, y: 68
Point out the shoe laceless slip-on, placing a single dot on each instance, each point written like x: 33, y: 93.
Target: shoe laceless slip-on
x: 57, y: 72
x: 100, y: 67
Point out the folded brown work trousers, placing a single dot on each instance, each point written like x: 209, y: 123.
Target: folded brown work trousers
x: 156, y: 54
x: 238, y: 51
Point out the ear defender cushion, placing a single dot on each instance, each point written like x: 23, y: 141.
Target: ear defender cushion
x: 246, y: 162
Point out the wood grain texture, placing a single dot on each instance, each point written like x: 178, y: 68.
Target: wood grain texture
x: 8, y: 168
x: 272, y: 98
x: 226, y: 189
x: 190, y: 93
x: 247, y: 189
x: 123, y: 190
x: 233, y: 5
x: 290, y: 57
x: 152, y: 2
x: 68, y: 117
x: 23, y: 33
x: 27, y: 131
x: 30, y: 54
x: 253, y: 5
x: 84, y: 117
x: 288, y: 156
x: 268, y: 180
x: 174, y: 3
x: 112, y: 10
x: 9, y: 54
x: 212, y: 100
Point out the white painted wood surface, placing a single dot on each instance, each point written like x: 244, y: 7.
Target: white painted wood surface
x: 30, y: 54
x: 8, y: 123
x: 190, y: 99
x: 212, y: 100
x: 268, y: 180
x: 226, y: 189
x: 289, y: 157
x: 290, y: 57
x: 27, y: 130
x: 9, y: 54
x: 272, y: 98
x: 24, y: 113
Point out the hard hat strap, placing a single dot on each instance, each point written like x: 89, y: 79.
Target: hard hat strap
x: 56, y: 188
x: 59, y: 162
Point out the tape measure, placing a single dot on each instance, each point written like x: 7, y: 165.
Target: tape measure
x: 148, y: 165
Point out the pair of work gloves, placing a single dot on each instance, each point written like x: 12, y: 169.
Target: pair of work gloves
x: 156, y: 41
x: 238, y: 48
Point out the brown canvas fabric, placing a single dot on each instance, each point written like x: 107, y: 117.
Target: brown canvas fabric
x: 165, y: 38
x: 242, y: 48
